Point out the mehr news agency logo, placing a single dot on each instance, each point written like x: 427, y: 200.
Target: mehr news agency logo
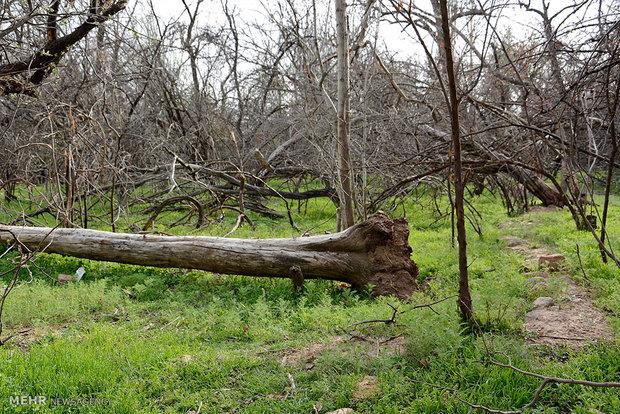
x: 42, y: 400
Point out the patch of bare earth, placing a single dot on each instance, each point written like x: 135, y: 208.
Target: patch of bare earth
x: 368, y: 387
x: 373, y: 348
x: 24, y: 338
x: 572, y: 321
x: 308, y: 354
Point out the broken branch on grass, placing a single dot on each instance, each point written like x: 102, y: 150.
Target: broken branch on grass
x: 392, y: 318
x: 546, y: 381
x: 430, y: 305
x: 389, y: 321
x: 585, y: 276
x: 556, y: 380
x: 173, y: 200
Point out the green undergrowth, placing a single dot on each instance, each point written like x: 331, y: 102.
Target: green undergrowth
x: 147, y: 340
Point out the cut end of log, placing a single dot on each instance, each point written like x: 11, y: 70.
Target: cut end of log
x: 387, y: 245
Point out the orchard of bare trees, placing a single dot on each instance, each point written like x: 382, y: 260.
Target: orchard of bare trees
x: 102, y: 99
x: 147, y: 118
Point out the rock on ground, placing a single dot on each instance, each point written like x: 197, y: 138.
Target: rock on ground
x: 551, y: 261
x: 512, y: 241
x: 542, y: 302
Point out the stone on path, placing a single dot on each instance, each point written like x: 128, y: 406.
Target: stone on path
x: 551, y: 261
x: 543, y: 302
x: 537, y: 280
x: 512, y: 241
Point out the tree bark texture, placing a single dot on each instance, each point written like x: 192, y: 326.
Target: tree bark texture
x: 343, y: 122
x: 375, y: 252
x: 465, y: 302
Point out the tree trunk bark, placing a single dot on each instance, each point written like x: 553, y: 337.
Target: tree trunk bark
x: 347, y: 208
x: 375, y: 252
x: 465, y: 302
x: 547, y: 195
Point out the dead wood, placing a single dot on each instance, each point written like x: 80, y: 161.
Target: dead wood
x: 375, y: 252
x: 23, y: 76
x: 174, y: 200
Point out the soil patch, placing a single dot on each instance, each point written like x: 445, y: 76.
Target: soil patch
x: 373, y: 347
x: 573, y: 320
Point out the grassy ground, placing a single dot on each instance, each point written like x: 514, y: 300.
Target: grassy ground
x: 147, y: 340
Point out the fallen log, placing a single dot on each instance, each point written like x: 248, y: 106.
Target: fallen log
x: 374, y: 253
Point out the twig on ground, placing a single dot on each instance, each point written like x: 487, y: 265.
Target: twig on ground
x: 430, y: 305
x: 546, y: 380
x: 385, y: 321
x: 585, y: 276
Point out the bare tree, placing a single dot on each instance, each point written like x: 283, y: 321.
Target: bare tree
x: 464, y: 300
x: 347, y: 209
x: 24, y: 75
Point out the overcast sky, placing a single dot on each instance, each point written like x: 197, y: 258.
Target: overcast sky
x: 391, y: 35
x: 392, y: 38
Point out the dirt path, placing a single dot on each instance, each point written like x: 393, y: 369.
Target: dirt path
x: 573, y: 320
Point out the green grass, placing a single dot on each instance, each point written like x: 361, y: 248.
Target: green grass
x: 147, y: 340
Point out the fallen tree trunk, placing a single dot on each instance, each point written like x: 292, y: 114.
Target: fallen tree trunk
x: 497, y: 161
x: 548, y: 195
x: 375, y: 252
